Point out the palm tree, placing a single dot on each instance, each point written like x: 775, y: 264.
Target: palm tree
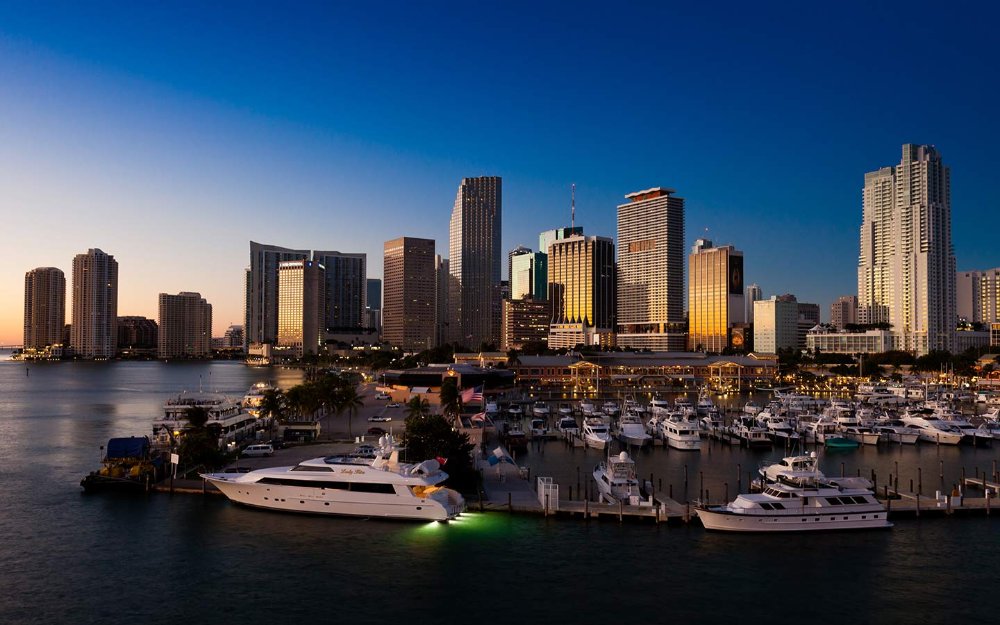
x: 351, y: 402
x: 451, y: 400
x: 512, y: 358
x: 417, y: 407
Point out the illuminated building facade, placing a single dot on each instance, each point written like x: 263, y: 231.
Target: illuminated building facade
x: 582, y: 283
x: 301, y: 310
x: 409, y: 291
x: 715, y: 295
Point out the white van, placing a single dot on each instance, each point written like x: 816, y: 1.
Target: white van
x: 265, y: 450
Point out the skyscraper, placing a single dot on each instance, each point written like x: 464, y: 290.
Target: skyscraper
x: 753, y: 293
x: 410, y: 284
x: 474, y: 262
x: 185, y: 326
x: 441, y: 307
x: 844, y: 311
x: 651, y: 270
x: 529, y: 276
x: 261, y: 324
x: 301, y: 307
x: 94, y: 333
x: 346, y: 290
x: 44, y: 307
x: 582, y: 290
x: 715, y: 295
x: 374, y: 300
x: 511, y: 255
x: 776, y: 324
x: 906, y: 268
x: 978, y: 296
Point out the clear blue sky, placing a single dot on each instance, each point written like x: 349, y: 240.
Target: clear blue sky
x: 171, y: 135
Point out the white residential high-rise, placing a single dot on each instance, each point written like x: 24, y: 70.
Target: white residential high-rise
x: 94, y: 333
x: 906, y: 268
x: 978, y: 296
x: 651, y: 271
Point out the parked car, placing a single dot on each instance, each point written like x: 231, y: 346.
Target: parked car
x: 256, y: 451
x: 379, y: 418
x: 382, y: 396
x: 392, y: 405
x: 376, y: 431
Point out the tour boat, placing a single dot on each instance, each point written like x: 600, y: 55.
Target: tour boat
x: 616, y: 479
x: 350, y: 486
x: 820, y: 504
x: 631, y: 431
x: 226, y: 417
x: 595, y: 433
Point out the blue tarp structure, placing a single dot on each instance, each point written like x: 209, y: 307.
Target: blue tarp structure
x: 132, y: 447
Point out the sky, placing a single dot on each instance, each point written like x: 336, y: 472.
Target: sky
x: 171, y: 135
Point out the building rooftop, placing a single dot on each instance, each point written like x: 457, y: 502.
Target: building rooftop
x: 648, y: 194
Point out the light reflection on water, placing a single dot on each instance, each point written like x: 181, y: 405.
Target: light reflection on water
x: 69, y: 558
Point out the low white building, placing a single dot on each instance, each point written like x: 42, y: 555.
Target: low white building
x: 831, y: 341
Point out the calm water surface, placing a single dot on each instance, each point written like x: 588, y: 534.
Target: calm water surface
x: 70, y: 558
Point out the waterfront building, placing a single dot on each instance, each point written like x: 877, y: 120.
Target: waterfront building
x: 301, y: 308
x: 410, y: 285
x: 753, y: 293
x: 582, y: 290
x: 844, y: 311
x: 185, y: 326
x: 261, y: 323
x: 651, y: 271
x: 346, y: 290
x: 474, y: 262
x: 978, y: 296
x: 906, y: 268
x: 715, y: 295
x: 94, y: 331
x: 44, y: 308
x: 529, y: 276
x: 138, y: 334
x: 524, y: 321
x: 776, y: 324
x: 838, y: 341
x: 233, y: 338
x: 442, y: 277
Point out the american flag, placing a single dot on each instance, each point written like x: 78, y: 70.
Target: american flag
x: 472, y: 394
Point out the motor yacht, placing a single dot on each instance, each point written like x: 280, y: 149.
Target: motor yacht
x: 610, y: 408
x: 565, y: 410
x: 749, y: 433
x: 540, y: 409
x: 348, y: 485
x: 658, y: 405
x: 932, y: 428
x: 820, y: 504
x: 681, y: 432
x: 862, y: 434
x: 596, y: 433
x: 631, y: 431
x: 778, y: 428
x: 705, y: 405
x: 514, y: 410
x: 539, y: 428
x: 616, y: 479
x: 587, y: 407
x: 794, y: 470
x: 895, y: 431
x: 567, y: 425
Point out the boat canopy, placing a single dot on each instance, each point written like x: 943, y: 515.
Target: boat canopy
x: 131, y: 447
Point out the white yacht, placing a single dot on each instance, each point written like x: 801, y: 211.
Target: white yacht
x: 254, y: 397
x: 565, y: 410
x: 895, y: 431
x: 932, y: 428
x: 680, y: 432
x: 587, y: 407
x: 631, y: 431
x: 752, y: 408
x: 794, y: 470
x: 491, y: 408
x: 610, y: 408
x: 822, y: 504
x: 616, y: 479
x: 705, y: 405
x: 750, y: 434
x: 348, y: 485
x: 777, y: 427
x: 658, y: 405
x: 567, y: 425
x: 540, y: 429
x: 540, y: 409
x: 862, y: 434
x: 514, y: 410
x: 596, y: 433
x: 227, y: 417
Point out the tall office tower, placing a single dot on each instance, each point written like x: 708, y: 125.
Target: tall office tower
x: 261, y: 323
x: 582, y: 291
x: 474, y: 262
x: 44, y: 307
x: 374, y: 300
x: 906, y: 268
x: 978, y: 296
x: 715, y: 295
x: 529, y: 276
x: 410, y: 285
x: 844, y: 311
x: 651, y: 271
x: 776, y: 324
x: 753, y: 293
x: 301, y: 307
x: 185, y: 326
x: 135, y: 332
x: 441, y: 307
x: 511, y: 255
x: 94, y: 333
x: 547, y: 238
x: 346, y: 290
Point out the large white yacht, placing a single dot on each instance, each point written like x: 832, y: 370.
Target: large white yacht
x: 567, y: 425
x: 932, y: 428
x: 820, y: 504
x: 226, y: 417
x: 348, y: 485
x: 681, y: 432
x: 631, y: 430
x: 616, y: 479
x: 596, y: 433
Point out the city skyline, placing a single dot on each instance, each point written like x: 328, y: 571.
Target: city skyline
x: 221, y: 147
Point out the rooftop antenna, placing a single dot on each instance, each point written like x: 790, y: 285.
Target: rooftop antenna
x: 572, y: 207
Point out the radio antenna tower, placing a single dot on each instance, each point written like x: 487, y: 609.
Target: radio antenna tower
x: 572, y: 206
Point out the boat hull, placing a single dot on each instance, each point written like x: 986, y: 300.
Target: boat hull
x: 683, y: 444
x: 331, y: 502
x: 720, y: 521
